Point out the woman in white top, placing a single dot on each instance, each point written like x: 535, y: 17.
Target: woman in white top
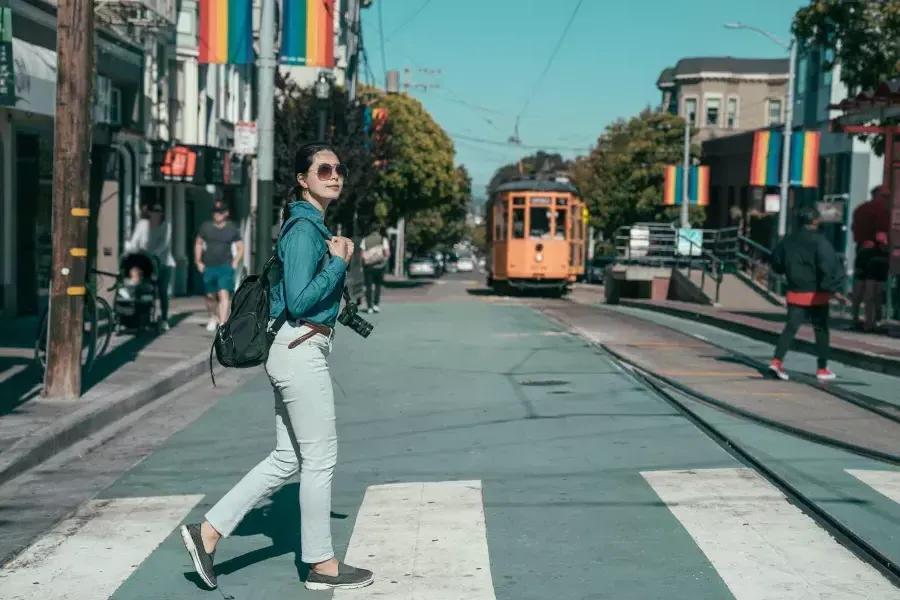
x: 153, y: 234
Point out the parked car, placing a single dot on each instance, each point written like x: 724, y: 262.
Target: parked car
x: 422, y: 266
x: 465, y: 264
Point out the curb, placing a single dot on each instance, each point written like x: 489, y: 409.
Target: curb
x: 96, y: 414
x: 855, y: 358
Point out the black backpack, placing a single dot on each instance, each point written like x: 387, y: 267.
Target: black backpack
x: 244, y: 340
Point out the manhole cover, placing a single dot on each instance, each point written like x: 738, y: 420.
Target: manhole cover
x: 544, y: 382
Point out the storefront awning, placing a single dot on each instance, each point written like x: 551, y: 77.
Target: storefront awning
x: 34, y: 73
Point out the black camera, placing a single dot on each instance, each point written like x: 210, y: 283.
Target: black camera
x: 349, y: 317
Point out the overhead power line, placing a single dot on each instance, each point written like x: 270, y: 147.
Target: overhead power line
x: 409, y: 20
x: 381, y: 34
x: 540, y: 79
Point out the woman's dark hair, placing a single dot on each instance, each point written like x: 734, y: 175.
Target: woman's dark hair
x: 807, y: 215
x: 303, y: 160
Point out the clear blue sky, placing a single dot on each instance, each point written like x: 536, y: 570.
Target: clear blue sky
x: 492, y: 52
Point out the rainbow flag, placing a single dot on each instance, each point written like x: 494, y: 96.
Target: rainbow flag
x: 698, y: 186
x: 226, y: 32
x: 307, y: 34
x: 765, y: 163
x: 804, y: 170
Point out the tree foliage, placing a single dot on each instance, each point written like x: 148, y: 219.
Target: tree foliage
x: 419, y: 173
x: 296, y: 123
x: 621, y: 180
x: 441, y: 226
x: 864, y: 38
x: 540, y: 163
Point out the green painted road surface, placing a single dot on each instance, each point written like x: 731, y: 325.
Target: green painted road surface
x: 483, y: 454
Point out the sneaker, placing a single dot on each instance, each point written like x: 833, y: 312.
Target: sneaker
x: 825, y: 375
x: 370, y: 310
x: 164, y: 326
x: 203, y: 560
x: 212, y: 325
x: 376, y: 309
x: 776, y: 367
x: 347, y: 578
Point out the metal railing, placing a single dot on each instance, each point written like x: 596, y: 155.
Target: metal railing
x: 662, y: 245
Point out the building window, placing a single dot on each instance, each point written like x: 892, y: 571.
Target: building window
x: 828, y: 57
x: 774, y: 112
x: 802, y: 75
x: 690, y: 110
x: 731, y: 117
x: 673, y: 103
x: 713, y: 110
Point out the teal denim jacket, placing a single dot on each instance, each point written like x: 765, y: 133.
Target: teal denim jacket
x: 308, y: 297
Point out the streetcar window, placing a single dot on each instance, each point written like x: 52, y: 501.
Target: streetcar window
x: 501, y: 221
x: 518, y: 224
x: 560, y: 232
x: 539, y: 228
x: 519, y: 200
x: 561, y: 201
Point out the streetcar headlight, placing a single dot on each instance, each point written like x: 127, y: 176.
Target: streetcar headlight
x: 539, y: 257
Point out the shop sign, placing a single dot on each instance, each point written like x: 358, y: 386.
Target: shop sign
x: 7, y: 63
x: 197, y: 165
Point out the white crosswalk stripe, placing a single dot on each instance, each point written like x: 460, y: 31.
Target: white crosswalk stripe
x: 886, y: 483
x: 424, y: 541
x: 89, y: 555
x: 762, y: 546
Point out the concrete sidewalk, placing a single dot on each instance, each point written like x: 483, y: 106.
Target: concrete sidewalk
x: 873, y: 352
x: 134, y: 371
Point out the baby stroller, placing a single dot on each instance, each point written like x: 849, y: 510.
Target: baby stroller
x: 135, y: 303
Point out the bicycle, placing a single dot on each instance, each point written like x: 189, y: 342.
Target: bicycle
x: 98, y: 326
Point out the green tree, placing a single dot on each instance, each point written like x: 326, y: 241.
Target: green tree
x: 622, y: 178
x: 540, y: 163
x: 864, y: 38
x: 296, y: 118
x: 478, y: 235
x: 441, y: 226
x: 419, y: 172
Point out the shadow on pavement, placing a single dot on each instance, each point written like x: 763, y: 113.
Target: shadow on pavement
x: 280, y: 522
x: 407, y: 284
x: 27, y: 382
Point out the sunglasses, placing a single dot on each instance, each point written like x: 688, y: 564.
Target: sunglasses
x: 325, y: 171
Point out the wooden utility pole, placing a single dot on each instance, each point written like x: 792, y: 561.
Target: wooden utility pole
x: 71, y: 173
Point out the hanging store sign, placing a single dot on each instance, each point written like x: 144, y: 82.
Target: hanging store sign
x: 7, y: 63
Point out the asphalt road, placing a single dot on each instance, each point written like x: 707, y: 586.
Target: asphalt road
x: 485, y: 453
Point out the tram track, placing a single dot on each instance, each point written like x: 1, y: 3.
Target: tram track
x: 669, y: 390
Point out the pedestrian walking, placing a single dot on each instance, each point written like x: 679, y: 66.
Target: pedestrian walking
x: 814, y: 275
x: 153, y: 235
x: 217, y: 262
x: 376, y: 253
x: 313, y: 265
x: 871, y: 221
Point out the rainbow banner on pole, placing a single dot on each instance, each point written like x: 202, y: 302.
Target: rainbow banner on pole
x: 805, y: 159
x: 698, y: 186
x: 765, y: 164
x: 226, y: 32
x: 307, y: 34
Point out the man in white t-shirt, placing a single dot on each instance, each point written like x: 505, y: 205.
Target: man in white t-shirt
x: 376, y: 251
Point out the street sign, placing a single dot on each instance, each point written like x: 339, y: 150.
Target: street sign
x: 245, y: 137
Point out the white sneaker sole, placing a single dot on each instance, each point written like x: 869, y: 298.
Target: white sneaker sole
x: 315, y: 586
x: 195, y: 556
x: 780, y: 375
x: 826, y: 377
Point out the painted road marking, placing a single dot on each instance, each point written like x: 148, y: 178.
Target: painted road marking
x: 89, y: 555
x: 761, y: 545
x: 424, y: 541
x: 886, y: 483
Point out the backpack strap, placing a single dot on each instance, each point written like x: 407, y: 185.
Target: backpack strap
x: 323, y: 260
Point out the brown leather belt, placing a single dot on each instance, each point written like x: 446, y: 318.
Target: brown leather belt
x: 314, y: 329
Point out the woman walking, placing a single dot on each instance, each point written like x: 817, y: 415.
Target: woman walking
x: 305, y: 435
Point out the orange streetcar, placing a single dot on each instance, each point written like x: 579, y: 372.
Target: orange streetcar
x: 535, y: 233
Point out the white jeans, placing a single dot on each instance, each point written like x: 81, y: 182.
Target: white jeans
x: 305, y: 441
